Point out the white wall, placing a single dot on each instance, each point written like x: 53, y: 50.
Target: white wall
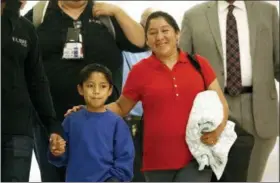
x: 134, y: 9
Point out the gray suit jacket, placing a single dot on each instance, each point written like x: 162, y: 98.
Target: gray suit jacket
x: 201, y: 34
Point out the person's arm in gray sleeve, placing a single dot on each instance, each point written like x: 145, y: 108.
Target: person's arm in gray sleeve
x: 185, y: 40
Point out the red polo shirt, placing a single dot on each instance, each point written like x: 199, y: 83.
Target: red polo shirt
x: 167, y: 97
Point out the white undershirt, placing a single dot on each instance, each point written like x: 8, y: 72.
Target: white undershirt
x: 240, y: 14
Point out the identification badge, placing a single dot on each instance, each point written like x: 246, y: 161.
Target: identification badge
x: 73, y: 51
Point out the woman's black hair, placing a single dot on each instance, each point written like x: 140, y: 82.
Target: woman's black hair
x: 89, y: 69
x: 167, y: 17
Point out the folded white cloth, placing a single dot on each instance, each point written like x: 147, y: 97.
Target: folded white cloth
x: 206, y: 115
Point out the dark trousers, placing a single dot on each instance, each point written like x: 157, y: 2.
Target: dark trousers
x: 189, y: 173
x: 16, y: 158
x: 134, y: 126
x: 49, y: 173
x: 236, y: 169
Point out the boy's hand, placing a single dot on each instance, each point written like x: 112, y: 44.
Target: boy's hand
x: 74, y: 109
x: 57, y: 144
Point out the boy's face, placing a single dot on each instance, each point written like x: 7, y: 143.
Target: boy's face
x: 95, y: 91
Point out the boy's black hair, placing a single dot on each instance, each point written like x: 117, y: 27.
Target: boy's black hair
x: 167, y: 17
x: 89, y: 69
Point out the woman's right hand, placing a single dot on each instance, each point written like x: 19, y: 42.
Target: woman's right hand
x: 74, y: 109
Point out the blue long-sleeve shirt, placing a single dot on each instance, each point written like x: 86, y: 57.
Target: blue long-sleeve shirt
x: 99, y: 147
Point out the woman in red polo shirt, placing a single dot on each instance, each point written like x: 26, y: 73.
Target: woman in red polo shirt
x: 167, y: 84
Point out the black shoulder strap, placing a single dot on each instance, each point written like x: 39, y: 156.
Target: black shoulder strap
x: 196, y: 65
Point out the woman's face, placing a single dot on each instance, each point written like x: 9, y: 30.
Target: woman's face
x: 161, y: 37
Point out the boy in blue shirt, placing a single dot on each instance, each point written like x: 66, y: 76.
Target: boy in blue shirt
x: 98, y: 146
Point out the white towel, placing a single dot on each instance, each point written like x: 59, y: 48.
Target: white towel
x: 206, y: 115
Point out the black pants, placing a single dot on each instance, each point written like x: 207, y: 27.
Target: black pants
x: 16, y: 158
x: 189, y: 173
x: 135, y: 125
x: 237, y: 166
x: 49, y: 172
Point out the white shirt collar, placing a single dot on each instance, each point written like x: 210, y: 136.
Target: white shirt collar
x: 223, y: 5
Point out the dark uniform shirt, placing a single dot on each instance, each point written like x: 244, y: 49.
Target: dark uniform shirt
x: 24, y: 83
x: 99, y: 47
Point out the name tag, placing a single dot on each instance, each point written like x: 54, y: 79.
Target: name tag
x: 73, y: 51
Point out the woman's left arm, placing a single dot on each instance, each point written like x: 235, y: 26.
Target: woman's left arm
x: 216, y: 87
x: 211, y: 138
x: 211, y: 81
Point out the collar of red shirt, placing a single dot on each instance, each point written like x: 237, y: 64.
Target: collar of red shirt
x: 157, y: 63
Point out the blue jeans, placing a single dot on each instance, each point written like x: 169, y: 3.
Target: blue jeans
x: 16, y: 158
